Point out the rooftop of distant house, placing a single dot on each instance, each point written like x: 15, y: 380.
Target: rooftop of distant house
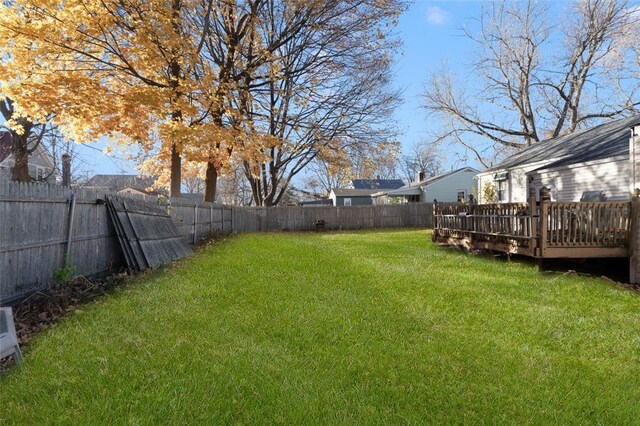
x: 377, y: 183
x: 119, y: 182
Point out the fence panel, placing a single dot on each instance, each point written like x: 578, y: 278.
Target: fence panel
x: 33, y: 236
x: 257, y: 219
x: 34, y: 224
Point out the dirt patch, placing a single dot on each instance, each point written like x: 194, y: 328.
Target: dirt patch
x: 41, y: 309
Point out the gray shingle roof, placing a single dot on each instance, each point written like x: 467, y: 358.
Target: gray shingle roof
x: 414, y: 188
x: 604, y: 141
x: 377, y: 183
x: 436, y: 178
x: 118, y: 182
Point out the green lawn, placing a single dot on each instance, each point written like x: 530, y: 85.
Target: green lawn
x: 338, y: 328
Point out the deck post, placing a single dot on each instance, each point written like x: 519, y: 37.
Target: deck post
x: 470, y: 220
x: 634, y: 234
x: 533, y: 222
x: 545, y: 199
x: 434, y: 218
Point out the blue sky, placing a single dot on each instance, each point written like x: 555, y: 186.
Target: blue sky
x: 432, y: 35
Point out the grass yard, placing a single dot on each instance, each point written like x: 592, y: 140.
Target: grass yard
x: 338, y: 328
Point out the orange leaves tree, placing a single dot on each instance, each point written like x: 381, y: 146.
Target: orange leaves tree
x: 128, y: 69
x: 263, y: 82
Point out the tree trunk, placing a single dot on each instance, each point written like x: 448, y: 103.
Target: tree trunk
x: 176, y: 172
x: 20, y: 151
x: 211, y: 181
x: 176, y: 115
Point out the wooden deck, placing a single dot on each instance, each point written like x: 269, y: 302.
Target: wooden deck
x: 542, y: 229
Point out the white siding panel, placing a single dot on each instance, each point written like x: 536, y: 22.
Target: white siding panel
x: 611, y: 177
x: 446, y: 189
x: 517, y: 186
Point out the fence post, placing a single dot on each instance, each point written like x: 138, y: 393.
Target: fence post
x: 434, y: 218
x: 470, y: 219
x: 545, y: 199
x: 72, y: 211
x: 195, y: 224
x: 634, y: 241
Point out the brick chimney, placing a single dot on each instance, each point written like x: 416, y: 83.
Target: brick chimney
x: 66, y: 170
x: 420, y: 176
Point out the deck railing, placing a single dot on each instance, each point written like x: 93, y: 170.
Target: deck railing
x: 539, y: 229
x: 587, y: 224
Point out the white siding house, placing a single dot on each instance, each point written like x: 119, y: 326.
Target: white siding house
x: 453, y: 186
x: 41, y: 165
x: 569, y: 182
x: 595, y: 159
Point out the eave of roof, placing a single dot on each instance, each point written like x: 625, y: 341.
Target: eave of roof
x: 347, y: 192
x: 414, y: 190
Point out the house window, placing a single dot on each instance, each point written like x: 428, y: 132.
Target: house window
x: 460, y: 196
x: 500, y: 180
x: 347, y: 201
x: 501, y: 190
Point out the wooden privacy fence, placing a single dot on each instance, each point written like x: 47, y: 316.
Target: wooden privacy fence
x: 256, y: 219
x: 43, y: 228
x: 197, y: 220
x: 542, y: 229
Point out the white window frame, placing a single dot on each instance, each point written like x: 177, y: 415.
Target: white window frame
x: 347, y: 201
x: 40, y: 172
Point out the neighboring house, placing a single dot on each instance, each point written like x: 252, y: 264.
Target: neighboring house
x: 138, y: 192
x: 453, y: 186
x: 351, y: 197
x: 126, y: 184
x: 41, y: 165
x: 359, y: 191
x: 588, y: 161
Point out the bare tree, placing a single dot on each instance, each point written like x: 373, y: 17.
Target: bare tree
x: 329, y: 81
x: 525, y: 94
x: 422, y: 158
x: 341, y: 161
x: 193, y: 184
x: 234, y: 188
x: 58, y: 146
